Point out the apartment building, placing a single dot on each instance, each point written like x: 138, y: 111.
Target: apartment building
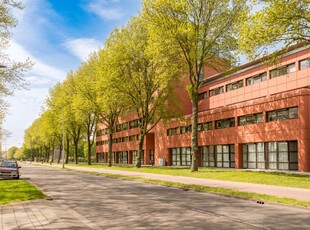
x: 256, y: 117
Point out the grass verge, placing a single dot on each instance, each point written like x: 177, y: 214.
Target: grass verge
x: 218, y: 191
x: 18, y: 190
x: 267, y: 178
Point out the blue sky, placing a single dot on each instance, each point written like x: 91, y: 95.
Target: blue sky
x: 57, y: 35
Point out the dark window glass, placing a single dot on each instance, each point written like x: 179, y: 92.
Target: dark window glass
x: 225, y: 123
x: 282, y: 71
x: 282, y: 114
x: 235, y: 85
x: 216, y: 91
x: 256, y: 79
x: 250, y: 119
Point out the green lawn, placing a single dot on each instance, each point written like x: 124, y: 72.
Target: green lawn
x: 18, y: 190
x: 268, y: 178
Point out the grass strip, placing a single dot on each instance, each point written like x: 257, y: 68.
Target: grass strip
x: 18, y: 190
x: 218, y: 191
x: 266, y: 178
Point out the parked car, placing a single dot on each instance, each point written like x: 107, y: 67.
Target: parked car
x: 9, y: 170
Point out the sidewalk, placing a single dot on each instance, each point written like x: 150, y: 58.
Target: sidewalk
x: 286, y: 192
x: 41, y: 214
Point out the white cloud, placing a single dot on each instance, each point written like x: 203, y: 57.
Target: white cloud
x: 46, y: 72
x: 105, y: 9
x: 82, y: 47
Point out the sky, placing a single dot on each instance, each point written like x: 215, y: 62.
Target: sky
x: 57, y: 35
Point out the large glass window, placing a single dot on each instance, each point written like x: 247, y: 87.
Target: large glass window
x: 283, y: 70
x: 216, y: 91
x: 100, y: 157
x: 282, y: 114
x: 133, y: 124
x: 256, y: 79
x: 250, y: 119
x: 123, y: 157
x: 304, y: 64
x: 207, y: 156
x: 181, y: 156
x: 282, y: 155
x: 225, y: 123
x: 254, y: 156
x: 135, y: 157
x: 225, y: 156
x: 234, y: 85
x: 202, y: 95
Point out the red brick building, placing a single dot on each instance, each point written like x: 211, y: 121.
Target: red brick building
x: 257, y: 118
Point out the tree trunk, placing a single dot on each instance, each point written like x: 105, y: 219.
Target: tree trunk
x: 67, y: 150
x: 59, y: 155
x: 110, y: 149
x: 140, y: 151
x: 194, y: 137
x: 76, y: 147
x: 88, y: 151
x: 52, y: 155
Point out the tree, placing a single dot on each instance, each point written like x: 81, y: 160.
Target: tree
x: 84, y: 101
x: 11, y: 72
x: 110, y: 105
x: 140, y: 77
x: 11, y: 152
x: 196, y: 33
x: 278, y: 23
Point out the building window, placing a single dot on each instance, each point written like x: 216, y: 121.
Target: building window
x: 283, y: 70
x: 123, y: 157
x: 100, y: 157
x: 173, y: 131
x: 181, y: 156
x: 235, y: 85
x: 283, y: 155
x: 207, y: 156
x: 282, y: 114
x: 216, y: 91
x: 135, y: 157
x: 304, y: 64
x: 256, y: 79
x: 207, y: 126
x: 186, y: 129
x: 250, y: 119
x: 133, y: 124
x: 225, y: 156
x: 254, y: 156
x: 225, y: 123
x: 202, y: 96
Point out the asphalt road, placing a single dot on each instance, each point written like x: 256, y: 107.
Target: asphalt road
x: 119, y: 204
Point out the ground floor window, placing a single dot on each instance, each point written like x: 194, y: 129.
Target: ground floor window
x: 152, y: 159
x: 225, y: 156
x: 100, y: 157
x: 282, y: 155
x: 207, y: 156
x: 135, y: 155
x: 222, y: 156
x: 181, y: 156
x: 123, y: 157
x: 254, y: 156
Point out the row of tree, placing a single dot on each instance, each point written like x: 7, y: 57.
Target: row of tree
x: 136, y: 72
